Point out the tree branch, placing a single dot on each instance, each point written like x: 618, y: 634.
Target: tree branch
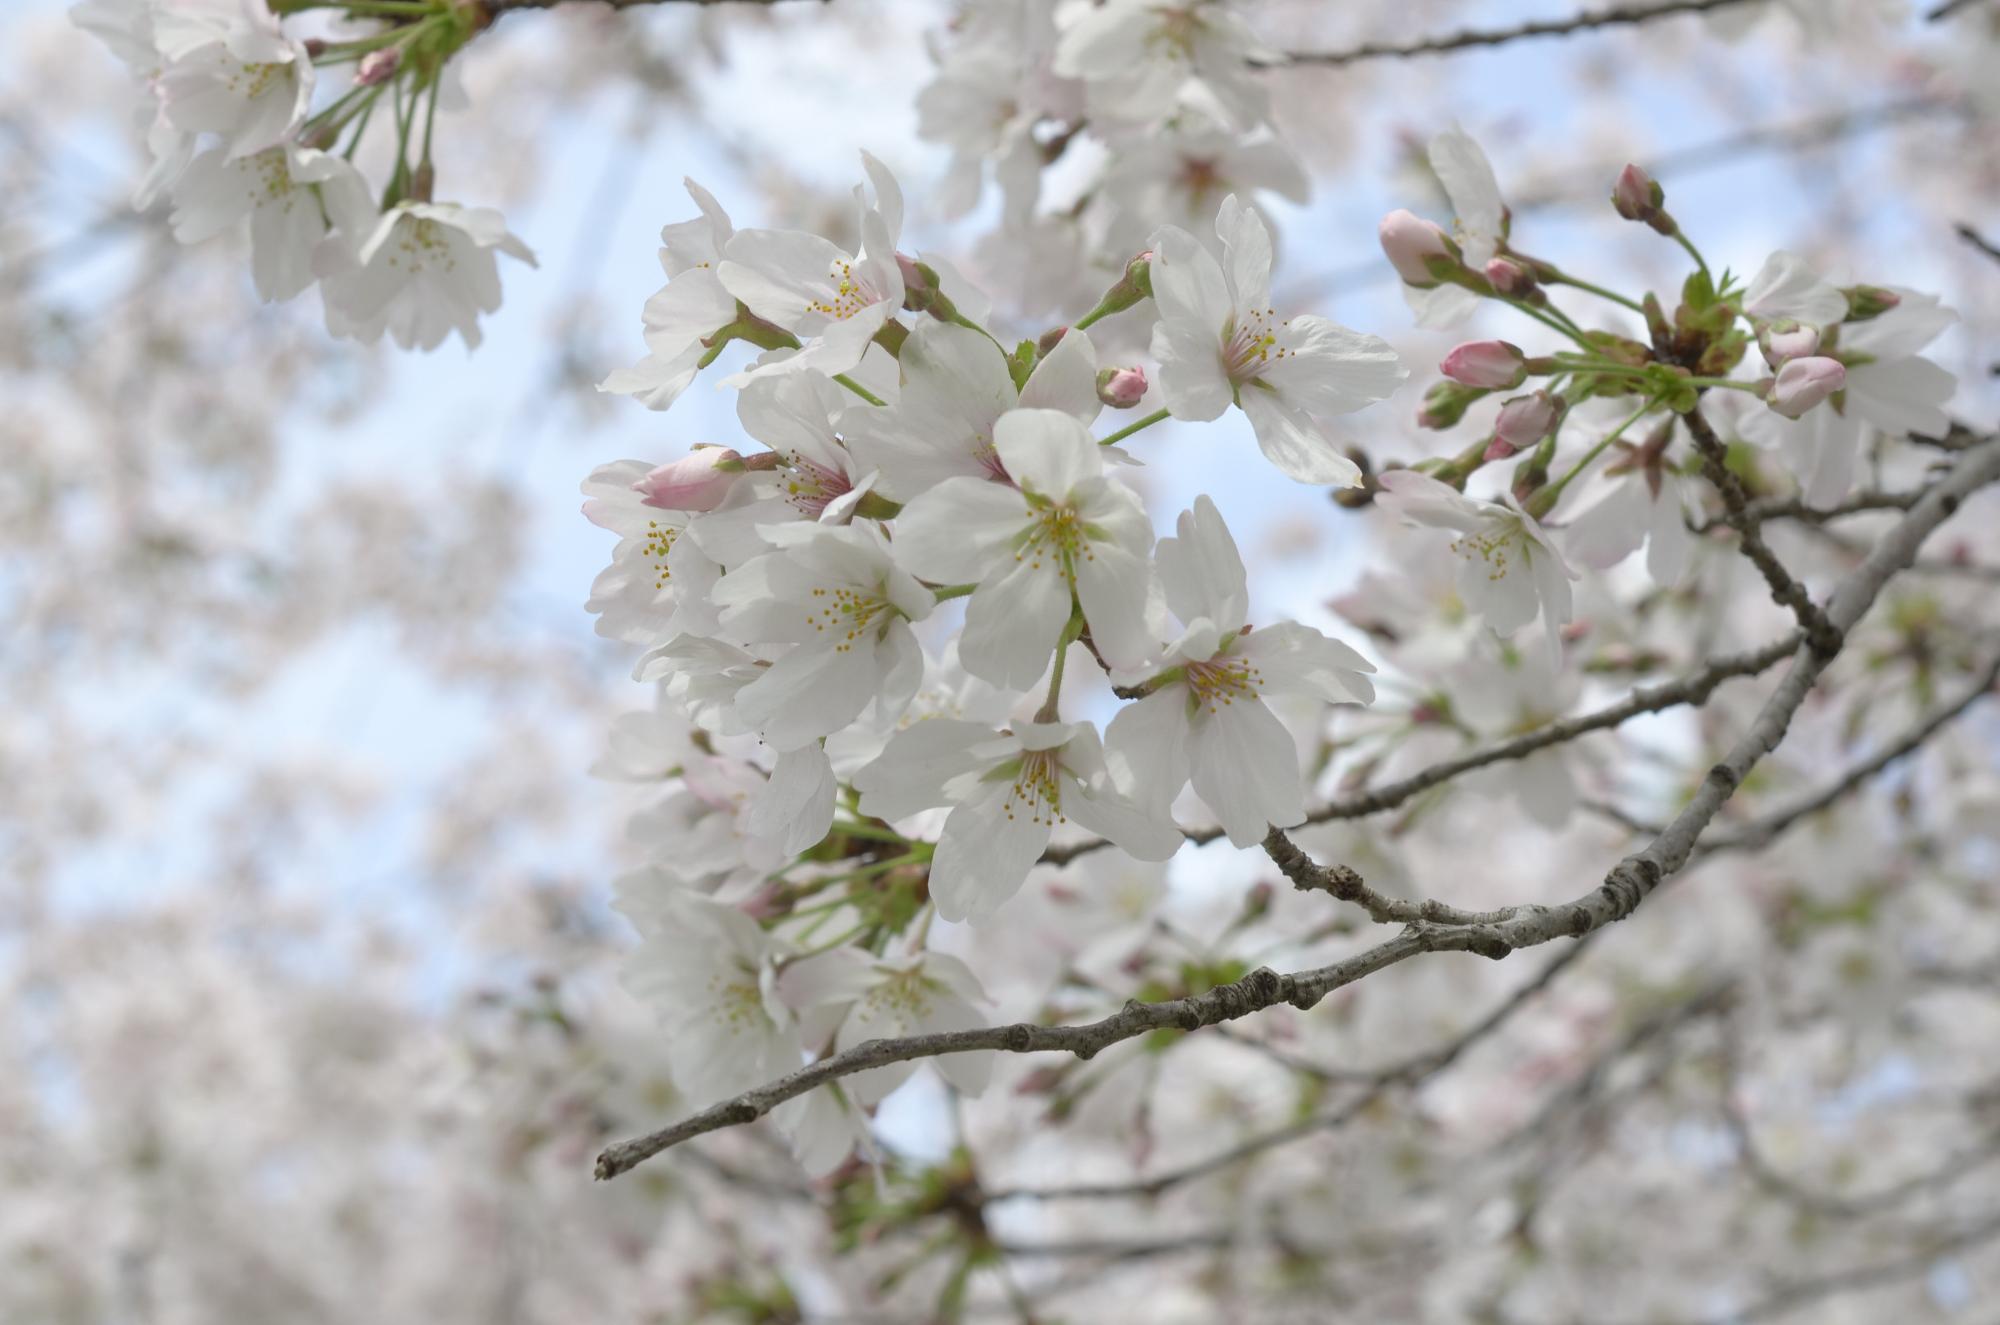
x: 1694, y: 688
x: 1628, y: 884
x: 1786, y: 591
x: 1480, y: 37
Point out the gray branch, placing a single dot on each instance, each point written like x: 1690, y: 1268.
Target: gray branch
x: 1473, y: 38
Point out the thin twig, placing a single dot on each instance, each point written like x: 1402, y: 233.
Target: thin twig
x: 1479, y: 37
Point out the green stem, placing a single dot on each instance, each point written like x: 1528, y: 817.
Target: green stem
x: 859, y: 389
x: 1564, y: 278
x: 869, y: 832
x: 1155, y: 417
x: 1570, y: 330
x: 430, y: 116
x: 951, y: 591
x: 1071, y: 633
x: 1723, y: 382
x: 1693, y: 252
x: 371, y: 8
x: 1546, y: 499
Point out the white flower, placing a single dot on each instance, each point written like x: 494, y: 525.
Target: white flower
x: 1479, y: 225
x: 1508, y: 569
x: 1137, y: 57
x: 991, y: 89
x: 424, y: 270
x: 248, y: 83
x: 1008, y: 791
x: 834, y: 595
x: 794, y: 809
x: 690, y: 307
x: 1067, y: 531
x: 1514, y: 693
x: 1787, y: 287
x: 280, y: 190
x: 832, y: 300
x: 704, y: 833
x: 1888, y: 385
x: 1217, y: 345
x: 708, y: 972
x: 1180, y: 177
x: 658, y: 581
x: 955, y: 388
x: 1210, y: 720
x: 806, y: 419
x: 1645, y: 502
x: 892, y: 996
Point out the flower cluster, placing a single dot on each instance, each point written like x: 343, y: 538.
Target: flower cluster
x: 861, y: 632
x: 1169, y: 89
x: 1840, y: 362
x: 243, y: 134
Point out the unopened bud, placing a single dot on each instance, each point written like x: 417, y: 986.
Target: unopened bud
x: 1804, y: 383
x: 1639, y: 197
x: 315, y: 47
x: 698, y: 481
x: 1410, y: 242
x: 1257, y: 903
x: 1491, y: 365
x: 1786, y: 340
x: 923, y: 292
x: 1445, y: 404
x: 1525, y: 420
x: 1512, y: 278
x: 1866, y: 301
x: 1049, y: 340
x: 1136, y: 284
x: 377, y: 66
x: 1121, y: 388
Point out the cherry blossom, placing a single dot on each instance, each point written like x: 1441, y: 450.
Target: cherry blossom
x: 1508, y: 569
x: 421, y: 272
x: 1206, y: 716
x: 292, y: 196
x: 684, y: 312
x: 1068, y: 533
x: 835, y: 301
x: 1009, y: 791
x: 1218, y: 345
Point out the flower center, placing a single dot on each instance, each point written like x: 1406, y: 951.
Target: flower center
x: 1036, y: 795
x: 1057, y: 536
x: 1221, y: 680
x: 1249, y: 343
x: 812, y: 487
x: 848, y: 614
x: 1495, y: 545
x: 736, y: 1001
x: 850, y: 294
x: 659, y: 542
x: 419, y: 241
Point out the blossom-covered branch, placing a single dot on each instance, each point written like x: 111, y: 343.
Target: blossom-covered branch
x: 1624, y: 888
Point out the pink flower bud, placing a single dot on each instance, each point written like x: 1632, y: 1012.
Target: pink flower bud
x: 1410, y: 243
x: 1637, y: 195
x: 1497, y: 448
x: 1806, y: 382
x: 1525, y: 420
x: 1121, y: 388
x: 377, y: 66
x: 1511, y: 278
x: 1491, y: 365
x: 697, y: 482
x: 1785, y: 341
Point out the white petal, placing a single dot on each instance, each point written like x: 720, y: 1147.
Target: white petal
x: 1245, y: 767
